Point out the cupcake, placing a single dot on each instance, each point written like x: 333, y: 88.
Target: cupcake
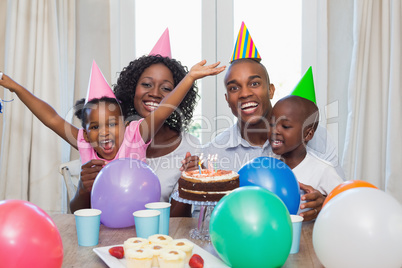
x: 139, y: 258
x: 160, y: 239
x: 156, y: 250
x: 185, y: 246
x: 172, y: 258
x: 135, y: 242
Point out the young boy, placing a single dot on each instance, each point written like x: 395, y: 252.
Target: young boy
x: 294, y: 120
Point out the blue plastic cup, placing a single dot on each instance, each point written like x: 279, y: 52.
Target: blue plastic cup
x: 87, y: 222
x: 164, y: 218
x: 296, y: 225
x: 146, y: 222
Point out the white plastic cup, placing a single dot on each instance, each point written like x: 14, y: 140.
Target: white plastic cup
x: 164, y: 218
x: 87, y: 222
x: 296, y: 225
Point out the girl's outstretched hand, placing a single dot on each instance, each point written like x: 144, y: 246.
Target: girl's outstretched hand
x: 201, y: 70
x: 8, y: 83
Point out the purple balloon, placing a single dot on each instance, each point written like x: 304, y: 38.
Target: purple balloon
x: 123, y: 186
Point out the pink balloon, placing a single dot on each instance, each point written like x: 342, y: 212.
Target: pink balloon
x: 122, y: 187
x: 28, y: 236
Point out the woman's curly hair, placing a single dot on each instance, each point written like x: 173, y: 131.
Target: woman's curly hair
x: 127, y: 83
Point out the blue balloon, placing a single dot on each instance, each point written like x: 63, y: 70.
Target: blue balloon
x: 275, y: 176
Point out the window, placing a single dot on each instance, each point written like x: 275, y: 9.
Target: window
x: 207, y: 29
x: 276, y: 31
x: 183, y: 18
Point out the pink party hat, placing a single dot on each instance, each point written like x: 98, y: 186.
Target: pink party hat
x: 162, y: 47
x: 98, y: 86
x: 245, y: 47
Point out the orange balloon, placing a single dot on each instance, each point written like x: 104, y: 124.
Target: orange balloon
x: 346, y: 186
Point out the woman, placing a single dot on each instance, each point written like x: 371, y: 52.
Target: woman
x: 141, y: 86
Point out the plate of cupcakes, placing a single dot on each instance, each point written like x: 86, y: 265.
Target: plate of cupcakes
x: 157, y: 251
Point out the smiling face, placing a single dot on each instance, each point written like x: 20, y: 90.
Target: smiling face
x: 104, y: 129
x: 248, y: 91
x: 291, y: 126
x: 153, y: 85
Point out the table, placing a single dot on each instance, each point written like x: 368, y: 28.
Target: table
x: 76, y: 256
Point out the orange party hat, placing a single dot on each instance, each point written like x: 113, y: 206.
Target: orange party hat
x: 245, y: 47
x: 98, y: 87
x: 162, y: 47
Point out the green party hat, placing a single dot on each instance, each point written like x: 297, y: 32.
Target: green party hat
x: 305, y: 87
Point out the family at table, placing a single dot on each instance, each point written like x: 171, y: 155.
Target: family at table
x: 246, y: 81
x: 157, y: 96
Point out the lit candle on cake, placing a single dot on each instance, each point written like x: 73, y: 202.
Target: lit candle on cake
x: 215, y: 159
x: 200, y: 159
x: 210, y: 166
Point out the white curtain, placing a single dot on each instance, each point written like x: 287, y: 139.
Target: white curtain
x: 373, y: 143
x: 40, y: 55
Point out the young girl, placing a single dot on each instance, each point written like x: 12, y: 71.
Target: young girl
x: 104, y: 131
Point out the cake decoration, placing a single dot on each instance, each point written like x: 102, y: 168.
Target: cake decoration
x: 200, y: 162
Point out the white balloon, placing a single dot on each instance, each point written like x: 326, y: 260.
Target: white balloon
x: 360, y: 227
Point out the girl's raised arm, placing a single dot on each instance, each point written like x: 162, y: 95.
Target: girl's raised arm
x: 43, y: 111
x: 154, y: 121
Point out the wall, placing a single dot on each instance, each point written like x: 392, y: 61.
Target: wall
x: 3, y: 12
x: 93, y: 18
x: 340, y: 45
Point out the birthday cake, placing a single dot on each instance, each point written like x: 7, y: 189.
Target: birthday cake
x: 207, y: 185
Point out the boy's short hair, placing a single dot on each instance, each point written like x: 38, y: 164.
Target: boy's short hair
x: 310, y: 113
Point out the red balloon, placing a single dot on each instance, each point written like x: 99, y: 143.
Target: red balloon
x: 346, y: 186
x: 28, y: 236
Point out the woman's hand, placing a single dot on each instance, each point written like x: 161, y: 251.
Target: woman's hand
x: 314, y: 200
x: 89, y: 171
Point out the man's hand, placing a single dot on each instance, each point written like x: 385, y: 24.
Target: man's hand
x: 190, y: 162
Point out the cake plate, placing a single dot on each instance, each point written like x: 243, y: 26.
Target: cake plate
x: 206, y: 208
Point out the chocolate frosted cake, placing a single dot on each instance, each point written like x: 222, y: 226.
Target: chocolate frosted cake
x: 207, y: 186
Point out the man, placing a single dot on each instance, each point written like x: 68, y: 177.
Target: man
x: 248, y: 94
